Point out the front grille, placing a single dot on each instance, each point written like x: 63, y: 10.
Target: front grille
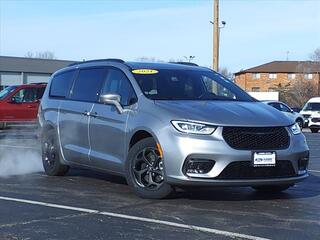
x: 256, y: 138
x: 245, y: 170
x: 306, y: 115
x: 315, y: 120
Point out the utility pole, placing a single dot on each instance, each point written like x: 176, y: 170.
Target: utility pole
x: 216, y: 35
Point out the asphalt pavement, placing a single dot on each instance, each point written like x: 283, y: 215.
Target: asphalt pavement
x: 91, y: 205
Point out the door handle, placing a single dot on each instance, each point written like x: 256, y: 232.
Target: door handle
x: 30, y: 106
x: 95, y: 114
x: 86, y: 113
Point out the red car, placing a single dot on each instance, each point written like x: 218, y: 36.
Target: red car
x: 19, y: 104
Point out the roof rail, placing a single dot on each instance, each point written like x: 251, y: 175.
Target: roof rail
x: 98, y: 60
x: 186, y: 63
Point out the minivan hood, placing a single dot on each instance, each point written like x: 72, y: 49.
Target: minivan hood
x: 225, y: 113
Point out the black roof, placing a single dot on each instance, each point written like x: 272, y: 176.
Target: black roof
x: 152, y: 65
x: 31, y: 65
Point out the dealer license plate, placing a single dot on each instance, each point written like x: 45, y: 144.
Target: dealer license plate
x: 264, y: 159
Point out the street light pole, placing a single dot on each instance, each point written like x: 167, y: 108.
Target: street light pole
x: 190, y: 58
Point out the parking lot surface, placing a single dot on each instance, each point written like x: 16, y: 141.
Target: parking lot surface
x: 92, y: 205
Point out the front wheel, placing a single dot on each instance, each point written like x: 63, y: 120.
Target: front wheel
x: 145, y: 170
x: 271, y: 189
x: 51, y: 156
x: 314, y: 130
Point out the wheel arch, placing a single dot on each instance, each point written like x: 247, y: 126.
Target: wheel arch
x: 140, y: 134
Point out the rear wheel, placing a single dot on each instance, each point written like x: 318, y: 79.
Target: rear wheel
x: 314, y: 130
x: 271, y: 189
x: 51, y: 156
x: 145, y: 170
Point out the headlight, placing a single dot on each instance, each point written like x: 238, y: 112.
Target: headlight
x: 295, y: 128
x: 193, y: 128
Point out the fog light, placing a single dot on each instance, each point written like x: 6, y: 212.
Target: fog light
x: 198, y: 166
x: 303, y: 163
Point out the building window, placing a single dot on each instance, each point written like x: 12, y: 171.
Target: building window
x: 255, y: 89
x: 255, y: 75
x: 272, y: 89
x: 308, y: 76
x: 272, y: 75
x: 291, y: 76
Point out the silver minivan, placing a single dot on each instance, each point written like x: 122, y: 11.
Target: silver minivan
x: 167, y: 125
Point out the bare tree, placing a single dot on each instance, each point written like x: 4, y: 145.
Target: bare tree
x: 299, y: 90
x: 43, y: 55
x: 315, y: 56
x: 148, y: 59
x: 225, y: 72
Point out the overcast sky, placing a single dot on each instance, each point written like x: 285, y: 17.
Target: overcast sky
x: 256, y: 31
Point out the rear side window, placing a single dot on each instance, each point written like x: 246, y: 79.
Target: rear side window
x: 61, y: 84
x: 88, y: 84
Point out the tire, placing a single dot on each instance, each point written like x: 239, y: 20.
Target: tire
x: 300, y: 122
x: 51, y: 155
x: 144, y: 161
x: 271, y: 189
x: 314, y: 130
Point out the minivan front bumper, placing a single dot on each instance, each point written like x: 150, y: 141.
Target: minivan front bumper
x: 178, y: 147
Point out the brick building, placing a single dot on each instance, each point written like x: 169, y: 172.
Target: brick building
x: 266, y: 77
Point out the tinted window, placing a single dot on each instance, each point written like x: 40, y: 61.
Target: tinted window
x: 118, y: 83
x: 275, y: 105
x: 284, y: 108
x: 189, y: 85
x: 26, y: 95
x: 312, y: 106
x: 88, y: 84
x: 40, y: 92
x: 61, y: 84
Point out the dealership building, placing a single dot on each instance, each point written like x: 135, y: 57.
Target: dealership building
x: 19, y: 70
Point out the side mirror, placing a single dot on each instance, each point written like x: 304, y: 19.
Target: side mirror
x: 112, y: 99
x: 12, y: 100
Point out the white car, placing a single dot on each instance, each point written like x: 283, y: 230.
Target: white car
x: 284, y: 108
x: 311, y: 107
x: 314, y: 122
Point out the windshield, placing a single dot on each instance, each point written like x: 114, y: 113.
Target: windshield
x: 168, y: 84
x: 312, y: 106
x: 5, y: 92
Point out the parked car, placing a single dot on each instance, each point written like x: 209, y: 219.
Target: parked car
x: 284, y: 108
x: 162, y: 125
x: 19, y: 104
x: 314, y: 122
x: 312, y: 106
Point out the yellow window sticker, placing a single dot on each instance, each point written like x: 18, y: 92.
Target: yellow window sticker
x: 145, y: 71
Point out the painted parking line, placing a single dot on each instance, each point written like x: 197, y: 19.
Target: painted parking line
x: 135, y: 218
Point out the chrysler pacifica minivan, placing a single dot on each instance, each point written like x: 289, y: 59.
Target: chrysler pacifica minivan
x: 167, y: 125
